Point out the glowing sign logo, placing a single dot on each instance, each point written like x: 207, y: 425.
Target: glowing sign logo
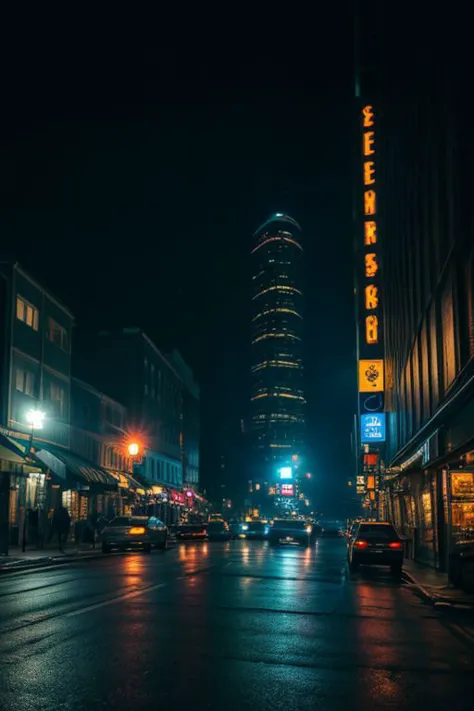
x: 286, y: 473
x: 287, y: 490
x: 370, y: 376
x: 372, y: 428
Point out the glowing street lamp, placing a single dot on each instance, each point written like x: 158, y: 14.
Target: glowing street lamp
x: 35, y: 419
x: 133, y: 449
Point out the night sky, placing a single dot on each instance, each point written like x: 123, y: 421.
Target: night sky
x: 135, y: 168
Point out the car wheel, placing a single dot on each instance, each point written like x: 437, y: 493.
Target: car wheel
x: 353, y: 566
x: 147, y: 549
x: 163, y: 546
x: 106, y: 548
x: 396, y: 571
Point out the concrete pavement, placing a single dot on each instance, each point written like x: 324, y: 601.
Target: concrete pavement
x: 227, y: 626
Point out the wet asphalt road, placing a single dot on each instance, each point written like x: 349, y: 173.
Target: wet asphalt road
x: 228, y: 627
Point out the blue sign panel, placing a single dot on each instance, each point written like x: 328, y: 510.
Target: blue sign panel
x: 372, y: 428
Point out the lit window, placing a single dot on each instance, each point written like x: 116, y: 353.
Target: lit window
x: 27, y: 313
x: 279, y: 287
x: 58, y: 335
x: 25, y: 381
x: 56, y: 393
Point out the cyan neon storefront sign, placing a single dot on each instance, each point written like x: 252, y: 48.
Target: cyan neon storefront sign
x: 372, y: 428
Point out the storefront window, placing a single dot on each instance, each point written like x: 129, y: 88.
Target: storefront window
x: 462, y: 506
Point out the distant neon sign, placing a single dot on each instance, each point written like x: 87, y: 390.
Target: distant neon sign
x: 286, y: 473
x: 287, y: 490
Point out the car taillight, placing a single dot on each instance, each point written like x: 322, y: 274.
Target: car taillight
x: 395, y: 544
x: 137, y: 531
x: 361, y: 544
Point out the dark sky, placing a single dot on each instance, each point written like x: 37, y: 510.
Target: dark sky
x: 134, y: 169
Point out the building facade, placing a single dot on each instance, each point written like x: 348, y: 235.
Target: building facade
x: 277, y: 391
x: 127, y: 365
x: 423, y: 150
x: 190, y: 440
x: 35, y: 371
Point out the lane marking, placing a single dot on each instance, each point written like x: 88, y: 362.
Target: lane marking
x: 113, y: 601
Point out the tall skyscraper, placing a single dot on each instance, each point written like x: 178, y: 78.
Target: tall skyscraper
x: 277, y: 398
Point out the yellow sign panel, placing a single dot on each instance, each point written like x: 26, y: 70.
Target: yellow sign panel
x: 371, y: 376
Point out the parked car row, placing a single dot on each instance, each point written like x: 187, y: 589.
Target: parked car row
x: 148, y: 532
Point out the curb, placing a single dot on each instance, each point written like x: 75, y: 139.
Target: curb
x: 434, y: 598
x: 425, y: 594
x: 47, y: 564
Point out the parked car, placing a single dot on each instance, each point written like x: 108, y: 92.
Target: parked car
x: 289, y: 531
x: 191, y: 532
x: 143, y: 532
x: 331, y: 528
x: 255, y: 530
x: 218, y: 531
x: 235, y: 528
x: 461, y: 566
x: 375, y: 544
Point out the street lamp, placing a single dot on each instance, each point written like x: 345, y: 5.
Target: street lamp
x: 133, y: 449
x: 35, y: 419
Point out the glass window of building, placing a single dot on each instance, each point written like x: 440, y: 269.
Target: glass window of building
x: 25, y: 381
x: 58, y: 335
x: 27, y: 313
x: 57, y: 397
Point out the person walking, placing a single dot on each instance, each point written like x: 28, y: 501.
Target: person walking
x: 60, y: 526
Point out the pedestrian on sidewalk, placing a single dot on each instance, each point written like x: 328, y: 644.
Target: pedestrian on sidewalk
x: 33, y: 526
x: 60, y: 526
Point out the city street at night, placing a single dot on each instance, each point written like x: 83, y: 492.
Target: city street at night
x: 227, y: 626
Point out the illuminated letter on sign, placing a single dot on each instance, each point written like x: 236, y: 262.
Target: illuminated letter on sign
x: 370, y: 232
x: 369, y: 202
x: 371, y: 297
x: 370, y: 376
x: 371, y: 266
x: 368, y: 143
x: 368, y: 113
x: 369, y: 171
x: 372, y: 329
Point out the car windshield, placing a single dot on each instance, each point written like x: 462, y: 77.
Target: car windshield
x: 377, y: 531
x: 125, y: 521
x: 294, y: 525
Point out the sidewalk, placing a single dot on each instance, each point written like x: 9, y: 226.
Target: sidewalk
x: 33, y: 558
x: 434, y: 586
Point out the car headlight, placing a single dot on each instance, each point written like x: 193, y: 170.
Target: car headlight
x: 245, y: 528
x: 308, y: 529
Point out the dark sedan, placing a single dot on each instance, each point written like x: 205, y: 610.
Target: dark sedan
x: 290, y: 531
x: 375, y: 544
x: 191, y: 532
x: 218, y: 531
x: 142, y: 532
x: 255, y: 530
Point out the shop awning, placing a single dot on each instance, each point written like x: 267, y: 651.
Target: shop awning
x: 126, y: 480
x: 64, y: 463
x: 10, y: 451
